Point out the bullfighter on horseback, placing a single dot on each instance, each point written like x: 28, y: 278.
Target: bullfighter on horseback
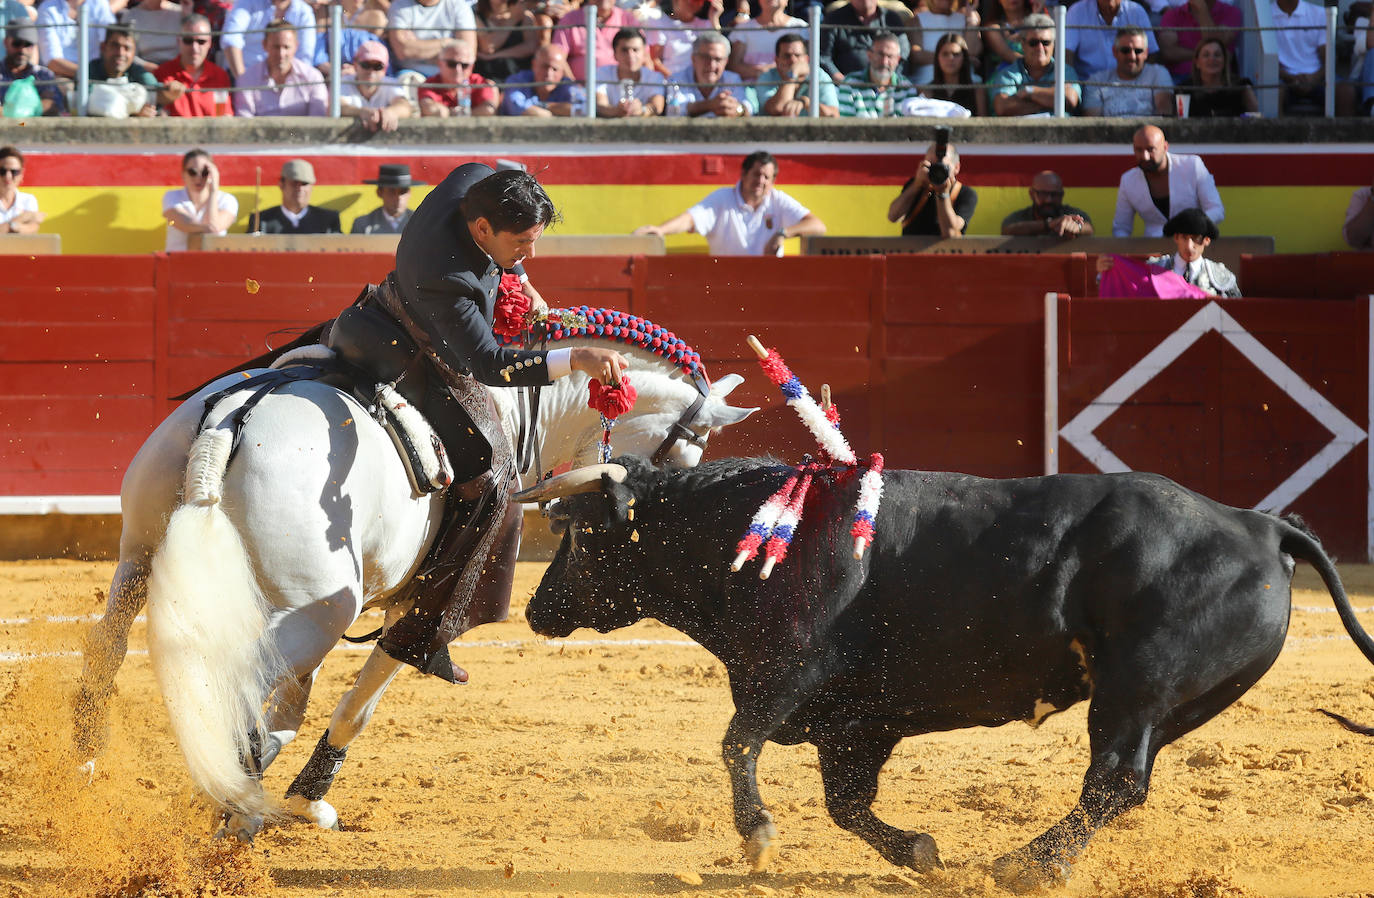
x: 475, y: 226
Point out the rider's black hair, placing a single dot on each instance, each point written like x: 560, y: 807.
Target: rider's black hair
x: 511, y: 201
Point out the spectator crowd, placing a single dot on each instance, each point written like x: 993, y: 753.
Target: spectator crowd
x: 400, y: 59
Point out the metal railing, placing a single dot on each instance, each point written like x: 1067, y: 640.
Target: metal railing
x: 1258, y: 46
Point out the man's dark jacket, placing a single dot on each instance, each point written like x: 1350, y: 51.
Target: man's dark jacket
x: 316, y: 220
x: 449, y: 286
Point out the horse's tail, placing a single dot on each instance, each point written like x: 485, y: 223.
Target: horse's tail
x: 207, y: 636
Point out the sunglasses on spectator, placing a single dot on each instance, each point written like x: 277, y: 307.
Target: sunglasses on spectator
x: 188, y: 41
x: 456, y: 64
x: 1047, y: 192
x: 372, y: 66
x: 12, y: 172
x: 198, y: 172
x: 21, y: 45
x: 1134, y: 51
x: 1040, y: 42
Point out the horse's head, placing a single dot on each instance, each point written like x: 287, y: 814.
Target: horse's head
x: 672, y: 422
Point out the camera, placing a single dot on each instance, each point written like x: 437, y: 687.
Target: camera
x: 939, y: 171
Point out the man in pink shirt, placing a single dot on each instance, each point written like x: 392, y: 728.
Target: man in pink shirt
x: 571, y: 35
x: 1177, y: 42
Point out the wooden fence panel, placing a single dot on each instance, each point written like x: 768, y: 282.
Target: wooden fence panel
x: 1228, y: 414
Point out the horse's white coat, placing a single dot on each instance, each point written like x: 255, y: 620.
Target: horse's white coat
x: 328, y: 523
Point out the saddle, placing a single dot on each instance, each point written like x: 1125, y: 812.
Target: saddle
x: 448, y: 435
x: 369, y: 340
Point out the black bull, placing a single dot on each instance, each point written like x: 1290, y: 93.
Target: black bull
x: 980, y: 602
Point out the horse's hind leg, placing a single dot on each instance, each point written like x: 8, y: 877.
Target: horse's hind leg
x: 305, y: 796
x: 105, y: 648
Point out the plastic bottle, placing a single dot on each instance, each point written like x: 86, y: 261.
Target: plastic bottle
x: 464, y: 107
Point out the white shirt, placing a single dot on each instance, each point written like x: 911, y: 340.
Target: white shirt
x: 23, y: 202
x: 294, y: 217
x: 732, y: 228
x: 1187, y: 270
x: 761, y: 44
x: 933, y: 27
x: 57, y: 32
x: 180, y: 200
x: 676, y: 39
x: 650, y: 85
x: 1298, y: 46
x: 382, y: 97
x: 430, y: 23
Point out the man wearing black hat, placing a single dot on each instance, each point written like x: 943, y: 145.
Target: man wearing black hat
x: 393, y: 186
x: 1193, y: 232
x: 21, y: 61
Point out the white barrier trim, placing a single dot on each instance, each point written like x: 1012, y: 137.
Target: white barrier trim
x: 1346, y: 434
x: 59, y: 505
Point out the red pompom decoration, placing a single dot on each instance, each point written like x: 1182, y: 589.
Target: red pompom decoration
x: 775, y: 368
x: 512, y: 305
x: 611, y: 401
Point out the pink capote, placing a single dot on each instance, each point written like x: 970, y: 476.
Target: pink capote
x: 1131, y: 279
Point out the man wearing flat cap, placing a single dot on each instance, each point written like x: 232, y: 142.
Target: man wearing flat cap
x: 1193, y: 232
x: 21, y: 61
x: 393, y: 187
x: 295, y: 215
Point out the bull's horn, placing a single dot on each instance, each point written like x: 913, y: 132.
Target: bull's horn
x: 581, y: 480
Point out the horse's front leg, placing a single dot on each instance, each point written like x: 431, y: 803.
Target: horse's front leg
x: 104, y: 651
x: 305, y: 796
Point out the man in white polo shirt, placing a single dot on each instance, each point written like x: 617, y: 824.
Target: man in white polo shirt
x: 750, y: 218
x: 1301, y: 40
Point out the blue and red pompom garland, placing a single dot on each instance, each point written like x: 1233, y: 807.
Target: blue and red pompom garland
x: 621, y: 327
x: 776, y: 521
x: 510, y: 324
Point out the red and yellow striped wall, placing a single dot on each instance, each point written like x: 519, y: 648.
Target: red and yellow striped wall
x: 111, y: 201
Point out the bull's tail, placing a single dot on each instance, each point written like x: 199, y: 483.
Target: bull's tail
x: 207, y: 636
x: 1300, y: 542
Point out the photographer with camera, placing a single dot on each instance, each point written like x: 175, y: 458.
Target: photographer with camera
x: 935, y: 202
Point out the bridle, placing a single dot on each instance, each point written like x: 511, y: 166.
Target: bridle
x: 682, y: 427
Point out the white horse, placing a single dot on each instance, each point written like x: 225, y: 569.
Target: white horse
x: 252, y: 568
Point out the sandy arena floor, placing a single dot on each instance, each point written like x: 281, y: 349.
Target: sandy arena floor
x: 592, y: 768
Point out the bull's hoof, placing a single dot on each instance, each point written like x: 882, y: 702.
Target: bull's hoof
x: 923, y: 855
x: 320, y: 812
x: 1020, y: 872
x: 761, y: 845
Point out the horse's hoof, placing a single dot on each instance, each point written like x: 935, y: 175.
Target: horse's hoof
x: 320, y: 812
x: 761, y: 845
x: 1019, y: 872
x: 236, y: 826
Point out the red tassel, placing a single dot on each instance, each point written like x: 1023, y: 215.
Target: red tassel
x: 512, y: 305
x: 775, y: 368
x: 611, y: 401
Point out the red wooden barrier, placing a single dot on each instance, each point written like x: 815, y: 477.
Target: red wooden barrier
x: 935, y: 360
x: 1226, y: 417
x: 1320, y: 275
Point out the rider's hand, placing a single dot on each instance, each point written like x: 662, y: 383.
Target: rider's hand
x: 606, y: 365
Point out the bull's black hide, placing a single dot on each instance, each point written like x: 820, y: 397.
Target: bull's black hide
x: 980, y: 602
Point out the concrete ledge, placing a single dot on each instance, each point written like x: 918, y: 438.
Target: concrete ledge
x: 771, y: 132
